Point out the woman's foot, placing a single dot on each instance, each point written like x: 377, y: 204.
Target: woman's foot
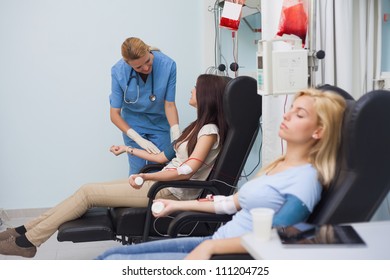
x: 4, y: 235
x: 9, y: 247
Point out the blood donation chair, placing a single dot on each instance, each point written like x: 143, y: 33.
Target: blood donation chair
x: 242, y: 109
x: 363, y: 172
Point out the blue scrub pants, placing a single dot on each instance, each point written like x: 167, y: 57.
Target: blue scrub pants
x: 161, y: 140
x: 167, y: 249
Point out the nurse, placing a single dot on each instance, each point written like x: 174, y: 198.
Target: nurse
x: 142, y: 99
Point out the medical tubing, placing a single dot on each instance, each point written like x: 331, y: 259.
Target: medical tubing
x: 259, y: 161
x: 167, y: 235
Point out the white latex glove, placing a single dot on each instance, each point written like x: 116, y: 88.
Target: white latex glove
x: 175, y: 132
x: 145, y: 144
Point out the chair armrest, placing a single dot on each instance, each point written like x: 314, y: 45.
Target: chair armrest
x: 190, y: 184
x: 185, y: 218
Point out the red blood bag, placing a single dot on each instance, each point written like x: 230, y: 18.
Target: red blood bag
x: 293, y: 19
x: 231, y: 14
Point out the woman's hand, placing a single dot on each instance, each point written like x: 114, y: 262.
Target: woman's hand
x: 170, y: 206
x: 118, y: 150
x: 132, y: 180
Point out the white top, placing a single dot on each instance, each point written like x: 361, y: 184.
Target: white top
x: 203, y: 172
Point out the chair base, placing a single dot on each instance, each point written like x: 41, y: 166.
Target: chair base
x: 124, y: 225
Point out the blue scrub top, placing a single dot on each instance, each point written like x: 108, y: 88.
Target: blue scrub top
x: 144, y: 116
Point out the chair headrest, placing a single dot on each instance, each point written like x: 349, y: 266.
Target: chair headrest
x: 338, y: 90
x: 242, y: 104
x: 242, y: 109
x: 363, y: 176
x: 366, y: 131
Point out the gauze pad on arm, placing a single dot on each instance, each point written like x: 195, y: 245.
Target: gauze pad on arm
x: 184, y: 169
x: 224, y: 204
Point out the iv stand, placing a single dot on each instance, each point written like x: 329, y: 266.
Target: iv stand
x: 313, y: 55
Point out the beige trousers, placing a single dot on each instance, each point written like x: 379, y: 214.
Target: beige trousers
x: 111, y: 194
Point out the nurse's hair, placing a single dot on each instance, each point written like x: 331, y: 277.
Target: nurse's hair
x: 330, y: 108
x: 134, y: 48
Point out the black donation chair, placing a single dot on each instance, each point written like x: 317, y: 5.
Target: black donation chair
x: 363, y: 175
x: 242, y: 108
x: 363, y: 178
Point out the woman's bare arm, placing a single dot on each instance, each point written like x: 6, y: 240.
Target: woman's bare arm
x: 120, y: 149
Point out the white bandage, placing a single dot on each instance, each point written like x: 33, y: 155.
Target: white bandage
x: 184, y: 169
x: 224, y: 204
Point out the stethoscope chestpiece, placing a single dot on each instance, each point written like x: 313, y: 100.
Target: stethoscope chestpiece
x: 152, y: 98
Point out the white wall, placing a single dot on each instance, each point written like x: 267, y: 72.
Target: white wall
x: 55, y: 60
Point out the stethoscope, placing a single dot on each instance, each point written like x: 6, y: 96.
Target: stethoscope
x: 152, y: 97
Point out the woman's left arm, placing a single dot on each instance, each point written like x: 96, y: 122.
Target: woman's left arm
x: 194, y: 162
x: 210, y: 247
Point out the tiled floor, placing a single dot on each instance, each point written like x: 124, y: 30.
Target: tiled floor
x: 54, y: 250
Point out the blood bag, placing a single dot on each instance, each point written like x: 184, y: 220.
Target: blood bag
x: 293, y: 19
x: 231, y: 15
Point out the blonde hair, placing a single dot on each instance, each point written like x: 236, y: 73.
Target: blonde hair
x: 134, y: 48
x: 329, y: 107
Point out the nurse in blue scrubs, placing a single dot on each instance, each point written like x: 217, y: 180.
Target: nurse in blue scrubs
x: 142, y: 99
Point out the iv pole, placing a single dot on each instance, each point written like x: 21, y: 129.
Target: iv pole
x: 218, y: 68
x: 313, y: 55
